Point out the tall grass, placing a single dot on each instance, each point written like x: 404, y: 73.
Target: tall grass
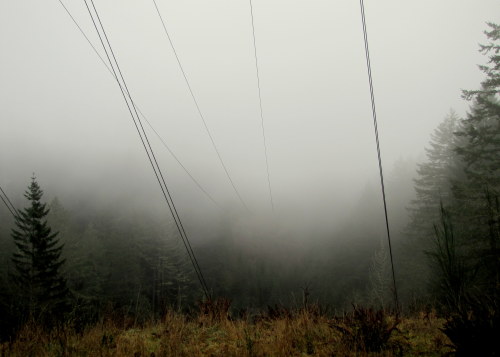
x: 211, y: 333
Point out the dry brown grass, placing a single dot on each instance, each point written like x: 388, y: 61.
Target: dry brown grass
x: 302, y: 334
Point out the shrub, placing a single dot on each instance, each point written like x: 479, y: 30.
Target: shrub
x: 474, y: 331
x: 215, y: 310
x: 366, y: 329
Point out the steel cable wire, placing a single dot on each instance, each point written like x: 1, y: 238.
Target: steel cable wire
x: 149, y: 151
x: 374, y: 114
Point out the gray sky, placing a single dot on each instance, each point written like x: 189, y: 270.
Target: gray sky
x: 62, y: 114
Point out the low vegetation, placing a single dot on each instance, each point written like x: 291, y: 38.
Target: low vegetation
x: 362, y: 332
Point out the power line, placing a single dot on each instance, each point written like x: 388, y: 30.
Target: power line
x: 260, y: 105
x: 150, y: 153
x: 147, y: 146
x: 8, y: 203
x: 198, y: 108
x: 13, y: 210
x: 139, y: 110
x: 374, y: 114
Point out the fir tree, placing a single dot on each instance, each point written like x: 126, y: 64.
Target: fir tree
x: 433, y: 185
x: 435, y: 177
x: 37, y: 261
x: 478, y: 194
x: 480, y: 149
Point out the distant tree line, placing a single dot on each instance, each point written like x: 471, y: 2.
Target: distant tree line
x: 62, y: 267
x: 125, y: 264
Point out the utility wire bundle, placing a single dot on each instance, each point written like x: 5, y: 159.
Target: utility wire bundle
x: 202, y: 189
x: 114, y: 69
x: 5, y: 199
x: 117, y: 73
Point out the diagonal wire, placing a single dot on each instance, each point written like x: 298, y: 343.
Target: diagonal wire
x: 8, y: 203
x: 147, y: 147
x: 198, y: 108
x: 260, y: 105
x: 150, y: 153
x: 139, y: 110
x: 13, y: 210
x: 374, y: 113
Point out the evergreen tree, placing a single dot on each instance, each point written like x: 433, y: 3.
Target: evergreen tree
x: 435, y: 178
x: 433, y: 185
x: 37, y: 261
x: 478, y: 193
x: 480, y: 147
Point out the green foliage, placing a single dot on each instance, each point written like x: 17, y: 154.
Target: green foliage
x: 37, y: 261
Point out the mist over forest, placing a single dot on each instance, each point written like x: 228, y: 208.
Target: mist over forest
x: 284, y: 251
x: 261, y: 124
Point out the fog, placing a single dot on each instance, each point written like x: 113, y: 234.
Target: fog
x: 62, y: 115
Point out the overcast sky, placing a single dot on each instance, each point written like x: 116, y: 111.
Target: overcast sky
x: 62, y: 114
